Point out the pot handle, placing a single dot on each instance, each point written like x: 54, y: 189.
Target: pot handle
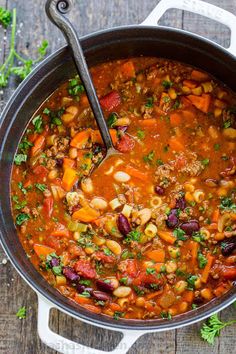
x: 199, y: 7
x: 66, y: 346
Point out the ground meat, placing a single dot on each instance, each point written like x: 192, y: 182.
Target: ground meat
x: 192, y: 167
x: 163, y: 175
x: 34, y: 212
x: 51, y: 163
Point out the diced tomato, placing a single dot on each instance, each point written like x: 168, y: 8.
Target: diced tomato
x: 229, y: 273
x: 129, y: 267
x: 48, y: 206
x: 125, y: 144
x: 101, y: 256
x: 110, y: 101
x: 145, y: 279
x: 85, y: 269
x: 55, y: 242
x: 40, y: 170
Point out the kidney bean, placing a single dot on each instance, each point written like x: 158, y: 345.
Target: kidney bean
x: 190, y: 227
x: 55, y: 262
x: 122, y: 128
x: 80, y: 288
x: 211, y: 182
x: 123, y: 224
x: 70, y: 274
x: 104, y: 286
x: 228, y: 246
x: 100, y: 295
x: 172, y: 219
x: 159, y: 190
x: 59, y: 162
x: 180, y: 203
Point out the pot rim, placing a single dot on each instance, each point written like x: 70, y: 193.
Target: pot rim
x: 105, y: 321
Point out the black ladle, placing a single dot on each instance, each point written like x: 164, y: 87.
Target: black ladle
x: 56, y: 9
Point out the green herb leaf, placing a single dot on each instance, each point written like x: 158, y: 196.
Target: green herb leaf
x: 180, y: 234
x: 19, y: 158
x: 37, y: 123
x: 149, y: 103
x: 216, y: 147
x: 191, y: 281
x: 5, y: 17
x: 202, y: 261
x: 211, y: 329
x: 167, y: 84
x: 111, y: 120
x: 205, y: 162
x: 21, y: 313
x: 41, y: 187
x: 227, y: 124
x: 43, y: 48
x: 149, y: 157
x: 22, y: 217
x: 226, y: 203
x: 150, y: 270
x: 140, y: 134
x: 118, y: 314
x: 133, y: 235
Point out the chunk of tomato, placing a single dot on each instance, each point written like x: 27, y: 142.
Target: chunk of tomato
x: 48, y: 206
x: 125, y: 144
x: 110, y: 101
x: 85, y: 269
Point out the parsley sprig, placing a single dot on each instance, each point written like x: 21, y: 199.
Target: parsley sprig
x: 211, y: 329
x: 8, y: 68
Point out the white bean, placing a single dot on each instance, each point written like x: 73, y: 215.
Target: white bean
x: 121, y: 176
x: 98, y: 203
x: 122, y: 291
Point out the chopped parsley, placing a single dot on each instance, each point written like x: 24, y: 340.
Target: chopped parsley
x: 46, y: 111
x: 107, y: 252
x: 226, y: 203
x: 150, y: 270
x: 149, y: 103
x: 118, y: 314
x: 75, y: 87
x: 166, y: 315
x: 167, y: 84
x: 111, y: 120
x: 133, y: 235
x: 217, y: 147
x: 19, y: 158
x: 149, y: 157
x: 41, y: 187
x: 202, y: 261
x: 191, y: 281
x: 180, y: 234
x: 159, y: 162
x: 127, y: 255
x: 18, y: 205
x: 22, y: 217
x: 21, y: 313
x: 139, y: 291
x: 205, y: 162
x: 124, y: 280
x: 227, y: 124
x: 140, y: 134
x: 37, y: 123
x: 25, y: 145
x: 85, y: 282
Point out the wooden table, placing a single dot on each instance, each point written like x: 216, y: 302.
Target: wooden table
x: 20, y: 336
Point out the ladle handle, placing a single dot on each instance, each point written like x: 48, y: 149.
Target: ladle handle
x: 56, y: 9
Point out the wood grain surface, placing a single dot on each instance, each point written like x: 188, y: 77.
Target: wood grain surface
x: 20, y: 336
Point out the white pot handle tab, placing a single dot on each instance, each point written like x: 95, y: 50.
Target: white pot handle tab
x: 199, y: 7
x: 66, y: 346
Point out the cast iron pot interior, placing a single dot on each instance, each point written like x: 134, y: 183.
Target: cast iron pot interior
x: 102, y: 46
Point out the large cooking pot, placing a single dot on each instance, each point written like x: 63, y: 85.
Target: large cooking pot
x: 122, y: 42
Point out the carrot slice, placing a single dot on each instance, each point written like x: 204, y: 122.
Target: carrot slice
x: 60, y: 233
x: 188, y: 296
x: 81, y: 139
x: 42, y: 250
x: 194, y: 246
x: 152, y: 295
x: 38, y: 145
x: 166, y: 236
x: 68, y: 163
x: 158, y: 267
x: 84, y: 100
x: 206, y: 270
x: 128, y: 70
x: 199, y: 75
x: 176, y: 144
x: 136, y: 173
x: 156, y: 255
x: 85, y: 214
x: 190, y: 84
x: 97, y: 138
x: 215, y: 215
x: 70, y: 177
x: 148, y: 122
x: 92, y: 308
x: 82, y: 299
x: 201, y: 102
x: 175, y: 119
